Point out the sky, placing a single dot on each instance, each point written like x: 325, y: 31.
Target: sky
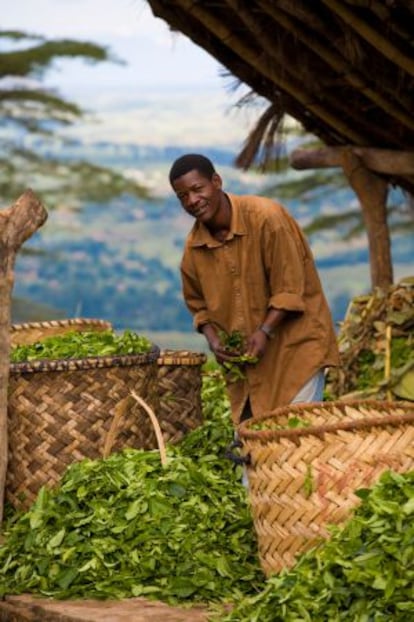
x: 168, y: 90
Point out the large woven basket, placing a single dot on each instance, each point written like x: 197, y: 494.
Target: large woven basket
x: 30, y: 332
x: 303, y: 479
x: 61, y: 411
x: 179, y: 391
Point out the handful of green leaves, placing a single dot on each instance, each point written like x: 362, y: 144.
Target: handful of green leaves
x: 235, y: 343
x: 74, y: 344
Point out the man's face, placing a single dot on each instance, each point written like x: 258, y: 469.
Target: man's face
x: 199, y: 196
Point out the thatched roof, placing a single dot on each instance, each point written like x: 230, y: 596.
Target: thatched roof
x: 343, y: 68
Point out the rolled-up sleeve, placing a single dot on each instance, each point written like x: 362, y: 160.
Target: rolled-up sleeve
x: 286, y: 268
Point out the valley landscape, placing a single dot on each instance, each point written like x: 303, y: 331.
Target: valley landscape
x: 119, y: 261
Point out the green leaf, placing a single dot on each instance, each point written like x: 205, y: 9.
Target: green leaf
x: 133, y: 510
x: 66, y: 578
x: 404, y: 388
x: 57, y: 539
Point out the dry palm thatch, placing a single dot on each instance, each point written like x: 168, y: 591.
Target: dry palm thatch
x: 376, y: 342
x: 343, y: 68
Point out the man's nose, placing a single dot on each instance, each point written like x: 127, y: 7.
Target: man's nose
x: 192, y: 198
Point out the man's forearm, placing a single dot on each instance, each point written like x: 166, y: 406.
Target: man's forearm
x: 273, y: 319
x: 209, y: 331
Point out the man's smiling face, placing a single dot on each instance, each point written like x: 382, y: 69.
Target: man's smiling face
x: 199, y: 196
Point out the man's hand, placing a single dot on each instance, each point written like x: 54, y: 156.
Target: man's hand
x: 220, y: 350
x: 257, y: 344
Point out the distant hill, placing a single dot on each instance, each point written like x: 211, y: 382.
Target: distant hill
x: 119, y: 261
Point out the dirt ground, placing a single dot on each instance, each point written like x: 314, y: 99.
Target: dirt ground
x: 26, y: 608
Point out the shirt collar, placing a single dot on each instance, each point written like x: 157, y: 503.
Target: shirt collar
x: 200, y: 235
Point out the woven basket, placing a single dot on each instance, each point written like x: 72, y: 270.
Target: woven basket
x: 61, y: 411
x: 30, y: 332
x: 302, y: 479
x: 179, y: 391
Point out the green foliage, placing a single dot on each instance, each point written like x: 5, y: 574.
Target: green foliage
x: 235, y: 344
x: 331, y: 221
x: 376, y: 342
x: 320, y: 182
x: 364, y: 573
x: 40, y: 112
x: 36, y: 59
x: 127, y: 526
x: 216, y: 433
x: 77, y: 345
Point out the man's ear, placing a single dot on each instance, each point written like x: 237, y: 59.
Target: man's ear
x: 217, y: 181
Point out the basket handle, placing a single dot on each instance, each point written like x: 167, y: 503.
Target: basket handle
x: 120, y: 411
x: 156, y: 426
x: 237, y: 459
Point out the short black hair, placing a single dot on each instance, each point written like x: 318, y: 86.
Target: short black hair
x: 191, y: 162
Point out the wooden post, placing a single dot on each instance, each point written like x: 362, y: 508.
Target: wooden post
x: 17, y: 223
x: 372, y: 192
x: 362, y: 167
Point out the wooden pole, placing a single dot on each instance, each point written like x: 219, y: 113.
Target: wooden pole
x: 361, y: 165
x: 372, y: 192
x: 17, y: 223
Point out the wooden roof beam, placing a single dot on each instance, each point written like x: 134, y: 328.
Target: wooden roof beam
x: 302, y: 12
x: 360, y: 166
x: 229, y: 58
x: 267, y: 69
x: 380, y: 43
x: 383, y: 161
x: 337, y: 63
x: 281, y: 58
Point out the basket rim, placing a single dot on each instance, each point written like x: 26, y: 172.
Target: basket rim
x: 59, y: 322
x: 295, y: 434
x: 181, y: 357
x: 91, y: 362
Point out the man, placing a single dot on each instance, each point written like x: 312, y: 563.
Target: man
x: 247, y: 267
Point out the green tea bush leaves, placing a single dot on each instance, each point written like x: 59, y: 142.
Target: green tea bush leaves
x: 364, y: 573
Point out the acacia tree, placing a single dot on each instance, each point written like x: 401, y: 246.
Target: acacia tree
x: 29, y: 109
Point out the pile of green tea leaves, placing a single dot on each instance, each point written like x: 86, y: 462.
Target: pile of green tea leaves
x: 364, y: 573
x: 77, y: 345
x: 376, y: 342
x: 217, y: 433
x: 127, y: 526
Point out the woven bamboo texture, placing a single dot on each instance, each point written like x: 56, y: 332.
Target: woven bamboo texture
x: 62, y: 411
x: 179, y: 391
x: 303, y: 479
x: 30, y: 332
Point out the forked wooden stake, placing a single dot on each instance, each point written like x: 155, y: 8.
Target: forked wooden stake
x: 17, y: 223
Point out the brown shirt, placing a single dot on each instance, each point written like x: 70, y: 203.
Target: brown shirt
x: 264, y: 262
